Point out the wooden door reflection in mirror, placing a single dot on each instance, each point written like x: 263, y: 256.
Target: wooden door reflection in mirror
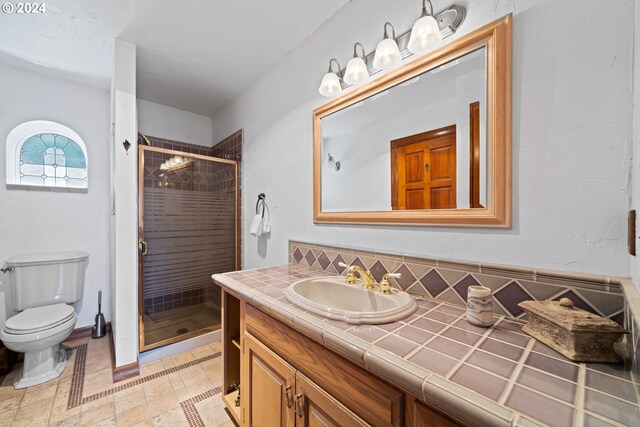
x: 423, y: 170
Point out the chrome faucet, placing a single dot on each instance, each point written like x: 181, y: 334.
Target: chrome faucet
x: 368, y: 282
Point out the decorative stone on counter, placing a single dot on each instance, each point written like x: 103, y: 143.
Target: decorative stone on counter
x: 479, y: 306
x: 576, y: 334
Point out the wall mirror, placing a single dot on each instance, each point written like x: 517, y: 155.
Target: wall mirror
x: 428, y: 143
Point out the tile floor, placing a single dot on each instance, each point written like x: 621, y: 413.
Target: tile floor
x: 182, y: 390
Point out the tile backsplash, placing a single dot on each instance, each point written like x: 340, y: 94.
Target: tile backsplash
x: 448, y: 281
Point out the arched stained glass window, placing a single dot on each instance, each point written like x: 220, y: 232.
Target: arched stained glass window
x: 46, y: 154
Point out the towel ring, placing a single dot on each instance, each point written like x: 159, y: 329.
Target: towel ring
x: 261, y: 198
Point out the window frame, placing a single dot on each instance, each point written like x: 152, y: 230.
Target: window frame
x: 21, y: 133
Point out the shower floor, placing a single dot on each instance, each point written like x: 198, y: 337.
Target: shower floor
x: 178, y: 321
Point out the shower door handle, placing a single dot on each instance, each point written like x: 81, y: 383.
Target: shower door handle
x: 143, y: 247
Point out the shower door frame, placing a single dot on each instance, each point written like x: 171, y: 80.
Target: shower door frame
x: 141, y: 151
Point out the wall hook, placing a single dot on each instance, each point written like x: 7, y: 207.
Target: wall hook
x: 126, y: 145
x: 261, y: 198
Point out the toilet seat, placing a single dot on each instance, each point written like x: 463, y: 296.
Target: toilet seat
x: 38, y: 319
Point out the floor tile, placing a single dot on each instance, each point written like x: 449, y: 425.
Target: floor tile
x: 129, y: 398
x: 132, y: 416
x: 155, y: 401
x: 67, y: 422
x: 172, y: 418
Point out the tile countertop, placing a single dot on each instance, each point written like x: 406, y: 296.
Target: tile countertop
x: 494, y: 376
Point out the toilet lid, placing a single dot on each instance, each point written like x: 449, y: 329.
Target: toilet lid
x: 39, y: 318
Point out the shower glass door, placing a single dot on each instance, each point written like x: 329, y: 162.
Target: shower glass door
x: 187, y: 232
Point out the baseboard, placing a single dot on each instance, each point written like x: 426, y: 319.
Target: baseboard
x: 124, y: 372
x: 84, y: 332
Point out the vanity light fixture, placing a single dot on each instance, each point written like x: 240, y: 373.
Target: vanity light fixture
x: 356, y: 71
x: 425, y: 33
x: 387, y: 53
x: 330, y: 85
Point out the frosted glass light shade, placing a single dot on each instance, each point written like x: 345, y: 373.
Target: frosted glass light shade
x: 425, y: 34
x: 387, y: 54
x: 356, y: 71
x: 330, y: 85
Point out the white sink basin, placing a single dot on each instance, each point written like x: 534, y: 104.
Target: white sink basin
x: 331, y: 297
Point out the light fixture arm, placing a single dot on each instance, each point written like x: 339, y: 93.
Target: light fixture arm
x: 339, y: 67
x: 355, y: 51
x: 386, y: 33
x: 424, y: 8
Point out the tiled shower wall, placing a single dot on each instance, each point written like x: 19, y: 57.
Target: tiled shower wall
x: 230, y: 148
x: 449, y: 280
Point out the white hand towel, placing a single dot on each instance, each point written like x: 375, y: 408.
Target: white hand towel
x: 266, y: 225
x: 256, y: 225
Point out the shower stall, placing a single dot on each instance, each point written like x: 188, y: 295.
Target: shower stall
x: 187, y: 232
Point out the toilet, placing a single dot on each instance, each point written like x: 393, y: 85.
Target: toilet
x: 43, y: 287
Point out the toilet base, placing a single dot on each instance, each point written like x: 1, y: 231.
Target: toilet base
x: 41, y: 366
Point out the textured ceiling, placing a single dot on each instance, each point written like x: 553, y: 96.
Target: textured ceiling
x: 194, y: 55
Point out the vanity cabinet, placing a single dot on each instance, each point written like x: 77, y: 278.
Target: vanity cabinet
x: 316, y: 407
x: 269, y: 384
x: 288, y: 379
x: 423, y: 416
x: 276, y: 394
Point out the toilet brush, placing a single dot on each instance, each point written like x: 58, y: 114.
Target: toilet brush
x: 100, y: 328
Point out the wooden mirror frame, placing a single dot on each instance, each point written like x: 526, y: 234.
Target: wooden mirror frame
x: 496, y: 38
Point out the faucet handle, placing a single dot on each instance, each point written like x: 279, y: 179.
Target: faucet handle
x: 385, y: 285
x: 350, y: 278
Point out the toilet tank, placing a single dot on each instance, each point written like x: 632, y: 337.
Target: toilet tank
x: 43, y: 279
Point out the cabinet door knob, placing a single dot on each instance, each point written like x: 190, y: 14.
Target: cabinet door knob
x: 298, y: 407
x: 287, y: 395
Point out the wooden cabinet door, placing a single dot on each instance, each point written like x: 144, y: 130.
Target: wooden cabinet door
x: 423, y: 416
x: 316, y: 408
x: 268, y: 386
